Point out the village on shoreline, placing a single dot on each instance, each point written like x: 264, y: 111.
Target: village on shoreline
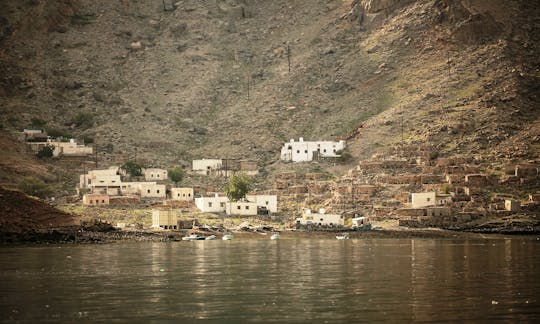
x: 405, y: 190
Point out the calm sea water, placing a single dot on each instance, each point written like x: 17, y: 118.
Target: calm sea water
x: 285, y: 281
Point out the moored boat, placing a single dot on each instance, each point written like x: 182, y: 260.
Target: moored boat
x: 275, y: 236
x: 343, y: 236
x: 193, y: 237
x: 227, y: 237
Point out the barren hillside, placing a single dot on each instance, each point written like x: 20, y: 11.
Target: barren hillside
x: 235, y: 79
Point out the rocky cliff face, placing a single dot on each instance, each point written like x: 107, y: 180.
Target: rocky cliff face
x: 237, y: 78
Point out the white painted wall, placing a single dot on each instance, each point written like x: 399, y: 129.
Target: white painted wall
x: 241, y: 208
x: 268, y: 201
x: 214, y: 204
x: 302, y: 151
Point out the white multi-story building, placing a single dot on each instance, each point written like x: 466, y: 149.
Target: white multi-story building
x: 303, y: 151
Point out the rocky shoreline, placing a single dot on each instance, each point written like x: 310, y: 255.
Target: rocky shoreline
x: 93, y: 236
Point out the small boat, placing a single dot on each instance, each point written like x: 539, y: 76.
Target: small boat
x: 275, y: 236
x: 227, y: 237
x: 343, y: 236
x: 193, y: 237
x: 211, y: 237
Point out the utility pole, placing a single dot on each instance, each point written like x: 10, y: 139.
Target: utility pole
x: 95, y: 155
x: 248, y: 81
x: 289, y: 56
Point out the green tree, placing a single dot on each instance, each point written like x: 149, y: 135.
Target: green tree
x: 34, y: 187
x: 132, y: 168
x: 237, y: 186
x: 176, y: 174
x: 45, y: 152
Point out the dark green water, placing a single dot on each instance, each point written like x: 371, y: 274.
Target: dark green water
x: 286, y: 281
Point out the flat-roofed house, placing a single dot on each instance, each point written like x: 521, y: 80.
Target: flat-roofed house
x: 320, y: 219
x: 267, y: 201
x: 432, y: 198
x: 214, y: 204
x: 183, y: 194
x: 95, y: 200
x: 207, y: 166
x: 241, y: 208
x: 303, y: 151
x: 155, y: 174
x: 152, y: 190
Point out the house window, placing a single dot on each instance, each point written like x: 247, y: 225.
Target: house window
x: 305, y: 151
x: 209, y: 204
x: 148, y: 191
x: 297, y: 151
x: 428, y: 199
x: 324, y: 150
x: 189, y: 194
x: 157, y: 191
x: 103, y: 201
x: 157, y: 175
x: 238, y: 207
x: 91, y: 201
x: 267, y: 203
x: 247, y: 207
x: 151, y: 176
x: 221, y: 204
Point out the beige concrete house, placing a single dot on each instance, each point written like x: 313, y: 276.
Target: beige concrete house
x: 425, y: 199
x: 207, y: 166
x: 215, y: 204
x: 154, y: 174
x: 241, y: 208
x: 152, y: 190
x: 248, y: 167
x: 184, y: 194
x: 111, y: 188
x: 95, y: 176
x: 35, y: 135
x: 95, y: 200
x: 165, y: 219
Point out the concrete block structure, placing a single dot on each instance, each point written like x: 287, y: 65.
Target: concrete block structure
x: 165, y: 219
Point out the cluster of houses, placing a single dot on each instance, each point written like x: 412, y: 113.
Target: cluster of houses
x: 37, y: 139
x: 417, y: 188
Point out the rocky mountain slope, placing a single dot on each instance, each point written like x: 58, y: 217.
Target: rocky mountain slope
x: 236, y: 78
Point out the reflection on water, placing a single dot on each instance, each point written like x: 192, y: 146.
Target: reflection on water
x: 285, y: 281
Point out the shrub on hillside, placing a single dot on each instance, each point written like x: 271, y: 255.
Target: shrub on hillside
x: 45, y: 152
x: 35, y: 187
